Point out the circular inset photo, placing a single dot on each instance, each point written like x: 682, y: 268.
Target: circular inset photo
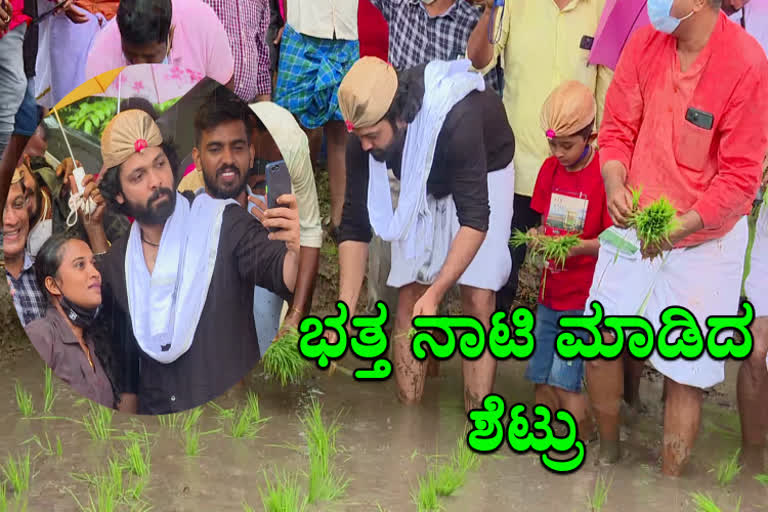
x: 151, y: 236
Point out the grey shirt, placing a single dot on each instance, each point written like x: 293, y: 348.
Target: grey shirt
x: 54, y: 340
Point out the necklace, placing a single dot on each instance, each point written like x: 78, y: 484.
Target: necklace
x: 148, y: 242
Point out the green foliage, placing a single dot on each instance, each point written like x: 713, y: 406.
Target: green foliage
x: 284, y: 495
x: 90, y: 115
x: 704, y: 503
x: 24, y: 401
x: 98, y: 422
x: 728, y: 469
x: 425, y: 496
x: 600, y: 494
x: 282, y: 360
x: 763, y: 479
x: 18, y: 472
x: 247, y: 421
x: 326, y: 483
x: 546, y: 248
x: 655, y: 222
x: 192, y: 442
x: 49, y: 393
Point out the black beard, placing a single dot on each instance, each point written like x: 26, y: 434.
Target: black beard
x: 392, y: 152
x: 224, y: 193
x: 154, y: 215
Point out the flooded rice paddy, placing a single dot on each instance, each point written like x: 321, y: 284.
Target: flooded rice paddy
x: 381, y: 451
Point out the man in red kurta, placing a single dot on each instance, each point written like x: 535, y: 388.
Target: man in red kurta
x: 686, y: 117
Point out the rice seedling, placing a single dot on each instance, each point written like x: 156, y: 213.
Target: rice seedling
x: 222, y: 414
x: 325, y: 484
x: 49, y: 393
x: 3, y: 498
x: 137, y: 460
x: 284, y: 495
x: 463, y: 458
x: 191, y: 418
x: 425, y: 496
x: 546, y: 248
x: 704, y: 503
x: 763, y: 479
x: 247, y: 508
x: 59, y: 448
x: 46, y: 448
x: 728, y: 469
x: 107, y: 496
x: 24, y: 401
x: 600, y: 494
x: 192, y: 442
x: 247, y: 421
x: 448, y: 479
x: 98, y: 422
x: 655, y: 222
x: 18, y: 471
x: 170, y: 421
x: 283, y: 361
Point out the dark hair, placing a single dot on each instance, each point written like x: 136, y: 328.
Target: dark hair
x: 220, y: 107
x: 409, y: 95
x: 586, y: 132
x: 110, y: 186
x: 138, y: 103
x: 48, y: 259
x: 144, y: 21
x: 47, y: 263
x: 257, y: 123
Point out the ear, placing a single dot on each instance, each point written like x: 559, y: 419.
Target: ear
x: 52, y: 287
x: 120, y: 198
x: 196, y: 158
x: 592, y: 138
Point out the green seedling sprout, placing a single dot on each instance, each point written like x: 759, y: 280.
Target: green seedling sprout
x: 325, y: 482
x: 191, y: 418
x: 98, y: 422
x: 3, y: 498
x: 192, y: 442
x: 137, y: 460
x: 544, y: 248
x: 283, y: 361
x: 763, y: 479
x: 600, y: 494
x: 654, y: 223
x: 728, y: 469
x: 49, y: 393
x: 247, y: 422
x: 284, y: 495
x: 18, y: 472
x: 425, y: 496
x: 704, y: 503
x: 24, y: 401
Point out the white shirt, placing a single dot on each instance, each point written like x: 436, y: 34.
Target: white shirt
x: 324, y: 18
x: 755, y: 15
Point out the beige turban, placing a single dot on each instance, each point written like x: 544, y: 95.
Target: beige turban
x: 367, y: 91
x: 128, y: 133
x: 18, y: 175
x: 568, y: 109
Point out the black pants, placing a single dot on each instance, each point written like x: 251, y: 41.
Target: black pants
x: 523, y: 218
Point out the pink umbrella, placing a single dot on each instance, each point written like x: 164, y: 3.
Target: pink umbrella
x: 617, y: 24
x: 156, y: 83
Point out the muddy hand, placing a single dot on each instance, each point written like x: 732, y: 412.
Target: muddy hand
x: 66, y: 168
x: 619, y: 205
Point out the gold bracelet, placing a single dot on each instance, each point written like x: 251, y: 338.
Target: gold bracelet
x: 297, y: 310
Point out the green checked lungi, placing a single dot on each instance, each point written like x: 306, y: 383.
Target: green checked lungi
x: 309, y: 74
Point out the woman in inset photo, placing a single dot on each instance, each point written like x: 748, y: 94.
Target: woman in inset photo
x: 69, y: 337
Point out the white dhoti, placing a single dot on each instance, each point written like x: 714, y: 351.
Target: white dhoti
x: 705, y: 279
x: 492, y: 264
x: 756, y: 285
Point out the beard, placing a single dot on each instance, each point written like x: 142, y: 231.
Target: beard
x: 153, y: 214
x: 228, y: 190
x: 392, y: 152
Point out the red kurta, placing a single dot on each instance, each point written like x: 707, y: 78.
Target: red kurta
x: 716, y: 171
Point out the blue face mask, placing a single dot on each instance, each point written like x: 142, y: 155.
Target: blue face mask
x: 662, y: 20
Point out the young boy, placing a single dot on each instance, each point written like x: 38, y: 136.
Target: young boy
x: 570, y: 196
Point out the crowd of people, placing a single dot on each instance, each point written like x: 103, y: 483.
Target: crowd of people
x: 477, y: 120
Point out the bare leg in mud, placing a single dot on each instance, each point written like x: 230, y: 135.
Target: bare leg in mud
x: 480, y: 374
x: 409, y: 371
x: 633, y: 372
x: 605, y: 381
x: 682, y: 417
x: 752, y: 390
x: 576, y: 403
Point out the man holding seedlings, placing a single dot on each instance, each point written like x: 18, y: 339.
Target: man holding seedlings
x: 449, y: 143
x: 186, y: 271
x: 685, y: 118
x: 221, y: 126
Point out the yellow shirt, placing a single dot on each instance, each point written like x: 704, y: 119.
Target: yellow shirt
x: 540, y: 48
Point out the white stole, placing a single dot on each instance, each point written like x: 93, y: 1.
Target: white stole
x: 445, y: 84
x: 165, y: 307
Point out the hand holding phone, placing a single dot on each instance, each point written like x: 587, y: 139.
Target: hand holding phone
x: 79, y: 174
x: 278, y: 184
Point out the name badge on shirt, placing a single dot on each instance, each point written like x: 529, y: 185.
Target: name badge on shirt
x: 586, y: 42
x: 567, y: 213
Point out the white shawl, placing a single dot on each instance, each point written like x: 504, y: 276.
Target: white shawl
x: 165, y: 307
x: 445, y: 84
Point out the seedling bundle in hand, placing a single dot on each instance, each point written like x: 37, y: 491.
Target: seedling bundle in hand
x: 282, y: 360
x: 546, y: 247
x: 654, y: 223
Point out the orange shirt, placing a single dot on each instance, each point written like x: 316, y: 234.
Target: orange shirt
x: 108, y: 8
x: 716, y: 171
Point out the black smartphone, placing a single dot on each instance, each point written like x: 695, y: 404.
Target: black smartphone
x: 700, y: 118
x: 278, y: 183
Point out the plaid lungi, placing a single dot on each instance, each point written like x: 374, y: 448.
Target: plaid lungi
x: 309, y: 74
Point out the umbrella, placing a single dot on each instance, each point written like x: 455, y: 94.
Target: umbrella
x: 617, y: 24
x: 95, y: 86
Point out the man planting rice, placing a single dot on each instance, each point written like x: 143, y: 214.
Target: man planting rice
x: 448, y: 141
x: 685, y: 117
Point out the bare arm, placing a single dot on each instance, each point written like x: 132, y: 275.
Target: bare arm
x: 586, y: 248
x: 353, y: 258
x: 309, y: 261
x: 479, y: 49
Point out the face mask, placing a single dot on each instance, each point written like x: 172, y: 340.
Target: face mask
x: 81, y: 317
x: 658, y: 12
x: 427, y: 1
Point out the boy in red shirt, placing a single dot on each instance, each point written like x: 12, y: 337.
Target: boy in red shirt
x: 570, y: 196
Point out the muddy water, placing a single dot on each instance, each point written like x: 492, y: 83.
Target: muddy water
x: 384, y: 447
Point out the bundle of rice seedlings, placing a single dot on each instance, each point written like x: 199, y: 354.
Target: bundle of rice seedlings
x: 425, y: 496
x: 728, y: 469
x: 283, y: 361
x: 247, y: 421
x: 326, y: 483
x: 284, y: 495
x: 98, y: 422
x: 655, y: 222
x: 546, y: 248
x: 24, y: 401
x: 18, y: 472
x: 704, y: 503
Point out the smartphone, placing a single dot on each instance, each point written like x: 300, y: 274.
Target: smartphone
x: 700, y: 118
x: 278, y: 183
